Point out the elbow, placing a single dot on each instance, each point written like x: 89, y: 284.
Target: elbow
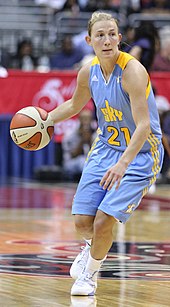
x: 145, y: 129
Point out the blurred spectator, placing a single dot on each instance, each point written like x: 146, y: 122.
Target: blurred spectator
x: 165, y: 124
x: 164, y: 32
x: 114, y: 5
x: 155, y: 6
x: 76, y: 145
x: 60, y: 5
x: 54, y: 4
x: 93, y: 5
x: 43, y: 64
x: 163, y: 106
x: 162, y: 58
x: 5, y: 58
x: 145, y: 45
x: 86, y: 59
x: 67, y: 57
x: 162, y: 103
x: 79, y: 43
x: 71, y: 5
x: 128, y: 38
x: 132, y: 6
x: 24, y: 59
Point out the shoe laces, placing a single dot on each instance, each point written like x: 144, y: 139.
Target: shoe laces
x: 83, y: 255
x: 89, y: 276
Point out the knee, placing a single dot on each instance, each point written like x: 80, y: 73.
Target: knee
x: 84, y: 224
x: 103, y: 227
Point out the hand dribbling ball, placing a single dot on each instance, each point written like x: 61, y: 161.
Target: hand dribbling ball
x: 31, y: 128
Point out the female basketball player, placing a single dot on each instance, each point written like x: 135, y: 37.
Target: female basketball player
x: 127, y: 156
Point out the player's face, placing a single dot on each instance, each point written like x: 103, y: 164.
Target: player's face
x: 105, y: 38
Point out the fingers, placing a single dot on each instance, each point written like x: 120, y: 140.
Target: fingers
x: 118, y: 183
x: 104, y: 181
x: 109, y: 180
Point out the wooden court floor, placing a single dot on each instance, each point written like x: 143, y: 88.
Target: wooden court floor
x: 38, y: 244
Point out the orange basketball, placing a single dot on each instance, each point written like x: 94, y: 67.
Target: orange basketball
x: 31, y: 128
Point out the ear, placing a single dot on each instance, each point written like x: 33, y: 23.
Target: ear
x: 88, y: 40
x: 120, y: 38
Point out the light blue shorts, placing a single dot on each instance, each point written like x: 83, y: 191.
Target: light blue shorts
x: 121, y: 203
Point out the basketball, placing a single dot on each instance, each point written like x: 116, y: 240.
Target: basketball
x: 31, y: 128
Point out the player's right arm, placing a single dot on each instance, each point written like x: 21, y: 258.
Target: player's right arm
x: 80, y: 97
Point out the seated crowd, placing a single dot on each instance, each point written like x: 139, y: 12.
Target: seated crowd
x: 132, y: 6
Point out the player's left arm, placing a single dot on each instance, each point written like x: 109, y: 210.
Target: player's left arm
x: 134, y: 82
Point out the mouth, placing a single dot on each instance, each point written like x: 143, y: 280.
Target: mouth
x: 107, y: 50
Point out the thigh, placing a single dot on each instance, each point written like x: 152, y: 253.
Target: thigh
x: 89, y: 193
x: 121, y: 203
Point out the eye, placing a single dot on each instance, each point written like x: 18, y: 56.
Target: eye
x: 112, y: 34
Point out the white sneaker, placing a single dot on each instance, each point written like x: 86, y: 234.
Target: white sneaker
x: 86, y: 284
x: 79, y: 263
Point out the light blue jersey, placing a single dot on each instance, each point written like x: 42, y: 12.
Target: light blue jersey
x: 113, y: 107
x: 116, y: 127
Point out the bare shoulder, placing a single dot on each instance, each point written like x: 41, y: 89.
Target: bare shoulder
x: 134, y: 75
x: 82, y: 92
x: 83, y: 74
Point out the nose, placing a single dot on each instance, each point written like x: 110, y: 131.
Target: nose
x: 107, y: 40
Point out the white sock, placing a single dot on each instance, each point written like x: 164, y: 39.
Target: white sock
x: 88, y: 242
x: 93, y: 265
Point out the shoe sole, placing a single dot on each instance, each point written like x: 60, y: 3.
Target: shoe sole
x: 82, y: 294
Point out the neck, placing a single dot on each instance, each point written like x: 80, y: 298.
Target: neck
x: 107, y: 66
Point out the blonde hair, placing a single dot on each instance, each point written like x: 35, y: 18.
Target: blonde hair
x: 99, y: 16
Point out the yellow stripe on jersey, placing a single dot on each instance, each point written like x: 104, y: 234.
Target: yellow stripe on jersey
x: 155, y: 138
x: 92, y: 147
x: 153, y: 141
x: 95, y: 61
x: 123, y: 59
x: 148, y: 89
x: 145, y: 190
